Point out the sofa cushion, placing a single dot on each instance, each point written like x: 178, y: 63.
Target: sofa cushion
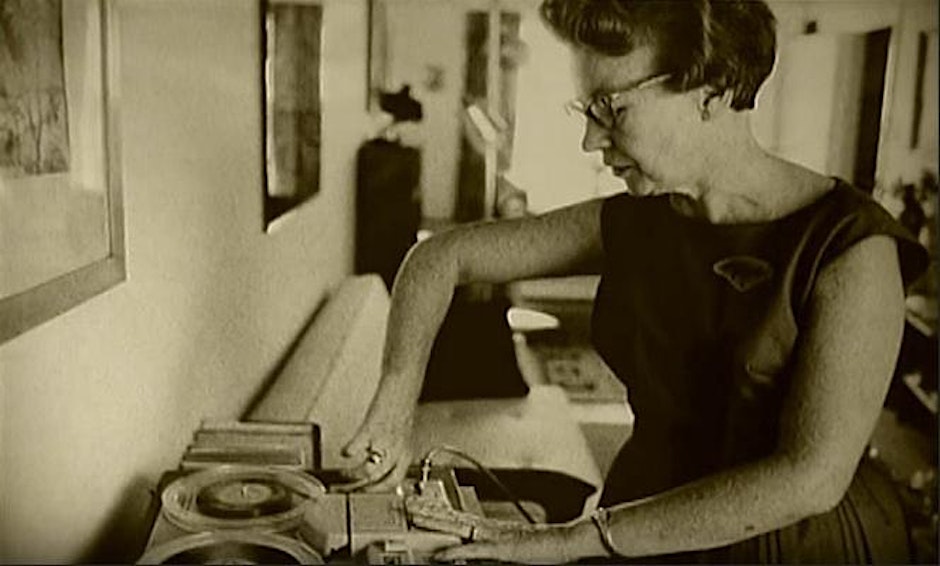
x: 333, y: 373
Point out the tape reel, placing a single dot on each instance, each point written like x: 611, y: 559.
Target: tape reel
x: 235, y: 497
x: 232, y: 547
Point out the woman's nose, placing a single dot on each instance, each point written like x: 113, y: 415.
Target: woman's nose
x: 596, y: 137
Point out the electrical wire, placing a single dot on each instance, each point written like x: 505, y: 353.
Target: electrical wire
x: 426, y: 468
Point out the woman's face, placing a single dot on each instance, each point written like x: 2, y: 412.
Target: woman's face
x: 650, y: 140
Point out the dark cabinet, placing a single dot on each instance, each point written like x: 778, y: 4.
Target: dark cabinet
x: 388, y: 206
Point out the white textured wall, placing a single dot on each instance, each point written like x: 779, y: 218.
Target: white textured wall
x: 98, y: 402
x: 423, y: 34
x: 808, y: 68
x: 900, y: 160
x: 846, y: 105
x: 802, y: 101
x: 548, y: 162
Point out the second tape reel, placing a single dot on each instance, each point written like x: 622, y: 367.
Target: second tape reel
x: 233, y: 510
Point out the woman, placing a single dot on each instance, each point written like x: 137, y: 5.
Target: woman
x: 753, y: 308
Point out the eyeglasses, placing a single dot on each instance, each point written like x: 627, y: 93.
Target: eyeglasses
x: 601, y: 109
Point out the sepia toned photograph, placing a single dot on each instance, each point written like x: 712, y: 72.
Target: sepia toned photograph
x: 469, y: 281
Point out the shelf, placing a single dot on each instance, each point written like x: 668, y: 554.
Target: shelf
x: 921, y: 313
x: 927, y: 398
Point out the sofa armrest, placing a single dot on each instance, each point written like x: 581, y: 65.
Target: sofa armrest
x: 333, y: 373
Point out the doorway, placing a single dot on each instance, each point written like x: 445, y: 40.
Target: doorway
x: 875, y: 66
x: 831, y: 100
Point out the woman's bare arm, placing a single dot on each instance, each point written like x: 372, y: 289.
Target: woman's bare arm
x: 566, y: 241
x: 558, y: 243
x: 845, y: 360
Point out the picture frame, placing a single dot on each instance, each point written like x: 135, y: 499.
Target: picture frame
x: 924, y: 115
x: 377, y: 48
x: 62, y: 207
x: 292, y: 76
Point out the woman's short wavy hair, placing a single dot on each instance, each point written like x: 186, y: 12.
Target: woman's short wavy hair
x: 729, y: 45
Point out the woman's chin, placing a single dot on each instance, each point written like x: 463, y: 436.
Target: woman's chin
x: 638, y: 186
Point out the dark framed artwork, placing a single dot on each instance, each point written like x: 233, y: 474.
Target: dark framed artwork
x: 292, y: 109
x: 61, y: 215
x: 377, y: 62
x: 924, y: 125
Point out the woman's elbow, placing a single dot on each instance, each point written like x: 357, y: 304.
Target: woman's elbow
x: 431, y: 257
x: 822, y: 484
x: 829, y: 494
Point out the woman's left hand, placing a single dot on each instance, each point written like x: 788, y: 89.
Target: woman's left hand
x: 528, y: 544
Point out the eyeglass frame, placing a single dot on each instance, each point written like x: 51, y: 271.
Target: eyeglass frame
x: 606, y: 101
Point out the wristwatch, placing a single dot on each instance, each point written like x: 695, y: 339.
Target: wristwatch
x: 600, y: 518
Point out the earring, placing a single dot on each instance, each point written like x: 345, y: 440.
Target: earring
x: 706, y: 112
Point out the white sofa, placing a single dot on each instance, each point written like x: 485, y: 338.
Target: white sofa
x: 333, y: 372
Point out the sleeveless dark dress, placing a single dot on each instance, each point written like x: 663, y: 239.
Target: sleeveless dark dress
x: 699, y: 321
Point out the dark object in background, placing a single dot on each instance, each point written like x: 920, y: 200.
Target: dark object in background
x: 388, y: 202
x: 562, y: 496
x: 401, y: 105
x: 473, y: 356
x: 913, y: 216
x: 388, y: 207
x: 919, y: 356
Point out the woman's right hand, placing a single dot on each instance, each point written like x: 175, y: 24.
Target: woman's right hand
x: 380, y: 452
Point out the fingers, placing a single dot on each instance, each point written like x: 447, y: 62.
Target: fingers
x: 472, y: 551
x: 349, y: 487
x: 355, y: 447
x: 373, y: 456
x: 542, y: 546
x: 379, y: 454
x: 379, y: 482
x: 390, y: 480
x: 370, y: 471
x: 380, y: 469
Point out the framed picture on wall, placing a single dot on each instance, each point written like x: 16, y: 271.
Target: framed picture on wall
x: 61, y: 216
x: 292, y: 110
x: 925, y: 123
x: 377, y: 46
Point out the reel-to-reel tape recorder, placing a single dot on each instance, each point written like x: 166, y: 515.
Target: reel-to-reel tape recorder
x: 230, y: 512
